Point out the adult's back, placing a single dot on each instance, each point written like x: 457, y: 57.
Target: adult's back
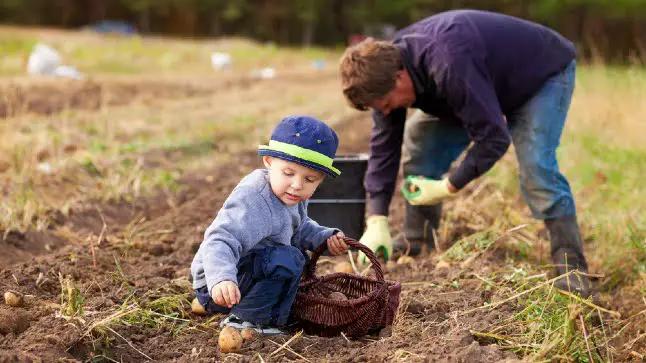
x: 517, y: 55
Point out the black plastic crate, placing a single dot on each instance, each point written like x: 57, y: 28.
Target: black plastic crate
x: 341, y: 202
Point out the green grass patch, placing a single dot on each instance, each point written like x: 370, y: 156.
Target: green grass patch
x: 168, y: 312
x: 548, y: 324
x: 72, y: 300
x: 10, y: 46
x: 469, y: 246
x: 163, y: 309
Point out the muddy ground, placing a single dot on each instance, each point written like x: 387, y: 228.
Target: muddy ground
x: 95, y: 248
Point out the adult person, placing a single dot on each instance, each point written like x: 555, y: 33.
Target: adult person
x: 480, y: 81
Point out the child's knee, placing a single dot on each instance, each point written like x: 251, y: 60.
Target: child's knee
x: 284, y: 262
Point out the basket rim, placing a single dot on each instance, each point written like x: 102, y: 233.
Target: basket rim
x: 385, y: 285
x: 311, y: 267
x: 340, y: 274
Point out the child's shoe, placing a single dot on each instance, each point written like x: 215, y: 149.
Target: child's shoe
x: 235, y: 322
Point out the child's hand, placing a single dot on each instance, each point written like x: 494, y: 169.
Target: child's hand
x: 226, y: 293
x: 336, y: 245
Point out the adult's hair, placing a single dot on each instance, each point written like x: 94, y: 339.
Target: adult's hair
x: 368, y: 71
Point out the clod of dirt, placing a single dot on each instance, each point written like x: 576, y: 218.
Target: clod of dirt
x: 197, y: 308
x: 416, y: 308
x: 157, y: 249
x: 344, y: 266
x: 8, y: 356
x: 13, y: 298
x: 43, y: 154
x: 477, y: 353
x: 14, y: 321
x: 229, y: 340
x: 337, y: 296
x: 405, y: 260
x: 4, y: 166
x: 70, y: 148
x: 248, y: 334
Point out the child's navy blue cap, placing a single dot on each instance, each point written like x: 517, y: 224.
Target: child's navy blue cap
x: 306, y: 141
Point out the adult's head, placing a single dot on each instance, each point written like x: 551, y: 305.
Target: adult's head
x: 373, y: 76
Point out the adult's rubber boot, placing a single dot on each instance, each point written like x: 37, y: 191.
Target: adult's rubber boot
x: 567, y: 255
x: 419, y: 223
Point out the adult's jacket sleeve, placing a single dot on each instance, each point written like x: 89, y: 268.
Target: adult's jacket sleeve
x: 385, y: 153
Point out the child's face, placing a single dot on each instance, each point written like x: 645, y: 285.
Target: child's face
x: 292, y: 183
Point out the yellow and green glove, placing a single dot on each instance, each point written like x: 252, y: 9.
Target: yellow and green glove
x: 377, y: 238
x: 419, y: 190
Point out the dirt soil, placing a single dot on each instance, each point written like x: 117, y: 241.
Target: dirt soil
x: 92, y: 247
x: 50, y: 96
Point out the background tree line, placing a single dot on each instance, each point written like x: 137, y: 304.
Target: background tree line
x: 610, y: 30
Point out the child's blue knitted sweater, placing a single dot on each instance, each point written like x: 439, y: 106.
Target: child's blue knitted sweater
x: 251, y: 218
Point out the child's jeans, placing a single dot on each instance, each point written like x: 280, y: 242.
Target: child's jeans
x: 268, y: 280
x: 430, y: 146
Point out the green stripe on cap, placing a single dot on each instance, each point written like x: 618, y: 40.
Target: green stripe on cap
x: 301, y: 153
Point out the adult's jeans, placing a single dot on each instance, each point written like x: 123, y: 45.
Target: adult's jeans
x: 268, y: 281
x: 430, y: 146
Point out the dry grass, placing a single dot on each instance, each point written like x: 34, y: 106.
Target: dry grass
x: 609, y: 104
x: 123, y: 150
x: 545, y: 324
x: 53, y: 163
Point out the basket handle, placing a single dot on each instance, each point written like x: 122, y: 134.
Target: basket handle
x: 310, y: 270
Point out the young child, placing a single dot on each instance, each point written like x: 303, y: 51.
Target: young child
x: 250, y: 262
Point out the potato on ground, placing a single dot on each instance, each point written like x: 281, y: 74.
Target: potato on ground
x: 230, y: 340
x: 12, y: 298
x: 248, y: 334
x: 197, y: 308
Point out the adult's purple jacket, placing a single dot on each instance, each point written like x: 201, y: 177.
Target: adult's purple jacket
x: 470, y: 67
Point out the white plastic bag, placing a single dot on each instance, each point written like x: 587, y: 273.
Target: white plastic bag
x: 67, y: 72
x: 43, y: 60
x: 220, y: 60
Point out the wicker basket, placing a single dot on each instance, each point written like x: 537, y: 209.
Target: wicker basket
x: 371, y: 305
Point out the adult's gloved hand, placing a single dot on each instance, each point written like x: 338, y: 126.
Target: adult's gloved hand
x: 376, y: 237
x: 419, y: 190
